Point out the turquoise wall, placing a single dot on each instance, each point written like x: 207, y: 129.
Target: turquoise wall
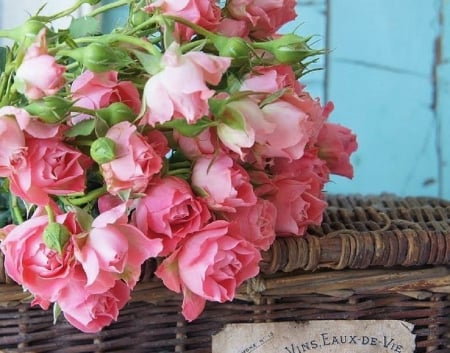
x: 388, y: 73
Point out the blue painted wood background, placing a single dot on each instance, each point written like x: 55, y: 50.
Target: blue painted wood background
x: 388, y: 73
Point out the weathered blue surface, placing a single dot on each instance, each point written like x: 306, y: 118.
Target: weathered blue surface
x: 388, y: 74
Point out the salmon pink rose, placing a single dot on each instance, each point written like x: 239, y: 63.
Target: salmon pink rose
x: 135, y: 163
x: 169, y: 211
x: 113, y: 250
x: 263, y: 17
x: 205, y: 13
x: 336, y: 143
x: 196, y: 146
x: 180, y: 90
x: 210, y: 265
x: 223, y: 182
x: 39, y: 74
x: 90, y: 312
x: 96, y: 90
x: 30, y: 263
x: 51, y: 167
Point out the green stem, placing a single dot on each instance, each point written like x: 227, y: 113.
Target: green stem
x: 200, y: 30
x: 177, y: 165
x: 50, y: 213
x: 90, y: 196
x: 76, y: 109
x: 179, y: 171
x: 16, y: 213
x: 108, y: 7
x: 144, y: 44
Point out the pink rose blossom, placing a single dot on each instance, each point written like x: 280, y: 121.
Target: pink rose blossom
x: 13, y: 150
x: 136, y: 161
x: 180, y: 90
x: 30, y: 263
x: 336, y: 143
x: 205, y: 13
x: 270, y: 79
x: 210, y: 265
x: 225, y: 183
x: 169, y: 211
x: 263, y: 17
x: 39, y: 75
x: 93, y: 90
x: 51, y: 167
x: 196, y: 146
x: 113, y: 250
x: 90, y: 312
x: 256, y: 223
x: 232, y: 28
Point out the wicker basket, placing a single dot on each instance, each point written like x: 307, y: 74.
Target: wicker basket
x: 379, y: 257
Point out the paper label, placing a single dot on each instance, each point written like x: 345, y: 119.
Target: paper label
x: 330, y: 336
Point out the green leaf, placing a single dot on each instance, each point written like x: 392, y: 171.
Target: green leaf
x: 2, y: 59
x: 56, y: 312
x: 84, y: 26
x: 273, y: 97
x: 233, y: 118
x: 189, y: 130
x: 84, y: 219
x: 101, y: 127
x: 150, y: 63
x: 83, y: 128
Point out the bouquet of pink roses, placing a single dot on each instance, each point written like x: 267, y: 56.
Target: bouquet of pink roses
x: 183, y: 135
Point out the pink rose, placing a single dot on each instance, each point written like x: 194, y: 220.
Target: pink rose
x: 336, y: 143
x: 223, y: 182
x: 90, y: 312
x: 180, y: 90
x: 256, y: 223
x: 263, y: 17
x: 210, y: 265
x: 169, y: 211
x: 196, y: 146
x: 39, y: 75
x: 30, y: 263
x: 13, y: 150
x: 51, y: 167
x: 205, y: 13
x: 114, y: 250
x: 270, y: 79
x: 232, y: 28
x: 94, y: 91
x: 136, y: 162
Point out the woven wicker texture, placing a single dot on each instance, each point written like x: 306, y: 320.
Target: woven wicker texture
x: 379, y: 257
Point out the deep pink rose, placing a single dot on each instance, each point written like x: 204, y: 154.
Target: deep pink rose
x: 196, y: 146
x: 224, y: 183
x: 93, y: 90
x: 210, y: 265
x: 169, y: 211
x: 51, y: 167
x: 30, y: 263
x: 180, y: 90
x: 205, y: 13
x: 90, y: 312
x: 39, y: 75
x: 256, y: 223
x: 263, y: 17
x: 113, y: 250
x: 136, y: 162
x: 336, y: 143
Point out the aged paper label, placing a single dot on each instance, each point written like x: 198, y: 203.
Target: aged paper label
x: 330, y: 336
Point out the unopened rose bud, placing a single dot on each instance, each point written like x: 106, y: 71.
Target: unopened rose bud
x: 115, y: 113
x: 56, y: 236
x: 51, y: 109
x: 232, y: 47
x: 103, y: 150
x: 289, y: 49
x: 96, y: 57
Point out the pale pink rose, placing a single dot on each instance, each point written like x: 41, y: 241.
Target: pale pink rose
x: 96, y: 90
x: 90, y: 312
x: 270, y: 79
x: 263, y: 17
x: 30, y: 263
x: 135, y: 164
x: 256, y: 223
x: 180, y: 90
x: 13, y: 150
x: 39, y: 75
x: 297, y: 207
x: 205, y: 13
x: 232, y: 28
x: 169, y: 211
x: 113, y: 250
x: 194, y: 147
x: 51, y: 168
x: 224, y: 183
x: 210, y: 265
x: 336, y: 143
